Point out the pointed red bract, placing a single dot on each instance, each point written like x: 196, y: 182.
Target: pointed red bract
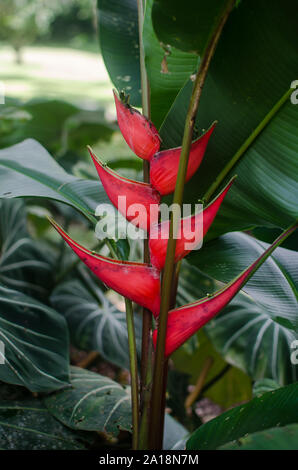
x: 136, y: 198
x: 164, y: 165
x: 139, y: 133
x: 190, y: 232
x: 137, y: 281
x: 184, y: 321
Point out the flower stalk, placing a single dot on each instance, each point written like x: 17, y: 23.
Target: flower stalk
x: 147, y: 350
x: 133, y: 373
x: 157, y: 403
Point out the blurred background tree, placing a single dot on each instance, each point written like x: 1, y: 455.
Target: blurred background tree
x: 22, y: 22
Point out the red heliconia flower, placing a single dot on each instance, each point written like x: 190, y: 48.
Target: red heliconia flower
x: 139, y: 133
x: 136, y: 198
x: 184, y: 321
x: 137, y: 281
x: 189, y: 232
x: 164, y: 165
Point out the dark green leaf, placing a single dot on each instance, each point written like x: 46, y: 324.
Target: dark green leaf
x: 24, y: 263
x: 119, y: 41
x: 168, y: 69
x: 35, y: 340
x: 27, y: 169
x: 95, y: 403
x: 246, y: 333
x: 188, y: 26
x: 27, y: 425
x: 94, y: 322
x: 85, y: 128
x: 45, y: 123
x: 285, y: 438
x: 276, y: 408
x: 239, y: 94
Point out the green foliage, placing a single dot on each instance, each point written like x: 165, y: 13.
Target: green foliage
x: 94, y: 403
x: 241, y: 89
x: 168, y: 69
x: 35, y: 338
x: 22, y: 21
x: 119, y: 41
x: 60, y: 126
x: 177, y: 23
x: 276, y: 408
x: 25, y: 264
x: 27, y: 425
x: 95, y: 324
x: 46, y: 296
x: 250, y: 332
x: 27, y: 169
x: 284, y: 438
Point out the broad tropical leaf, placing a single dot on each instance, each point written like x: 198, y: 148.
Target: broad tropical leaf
x: 27, y: 169
x: 276, y: 408
x: 95, y: 324
x: 24, y: 264
x: 35, y: 339
x: 119, y: 42
x: 266, y: 187
x: 27, y: 425
x: 167, y: 67
x: 284, y: 438
x: 188, y: 27
x: 94, y: 403
x: 256, y: 330
x: 186, y: 320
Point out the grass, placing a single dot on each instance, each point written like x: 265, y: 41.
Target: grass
x: 64, y: 73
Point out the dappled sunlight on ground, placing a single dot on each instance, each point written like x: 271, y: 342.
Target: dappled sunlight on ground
x: 57, y: 73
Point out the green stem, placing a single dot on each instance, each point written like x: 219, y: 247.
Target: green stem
x: 132, y: 348
x: 133, y: 372
x: 240, y: 152
x: 144, y: 77
x: 146, y: 356
x: 133, y: 362
x: 146, y: 397
x: 157, y: 409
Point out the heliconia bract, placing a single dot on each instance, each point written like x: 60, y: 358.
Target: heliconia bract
x: 137, y: 199
x: 184, y: 321
x: 164, y: 165
x: 190, y: 232
x: 140, y: 134
x: 138, y: 282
